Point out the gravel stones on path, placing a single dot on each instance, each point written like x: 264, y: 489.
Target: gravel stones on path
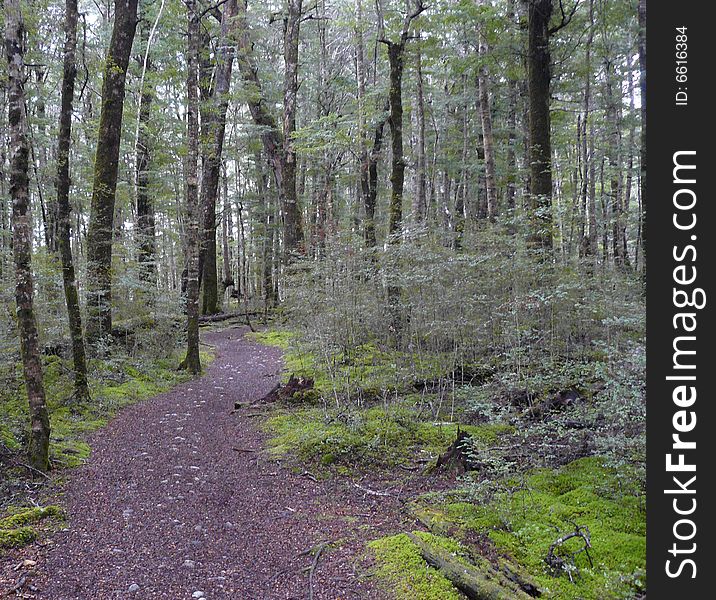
x: 166, y: 509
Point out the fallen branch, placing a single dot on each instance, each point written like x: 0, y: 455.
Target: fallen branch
x: 477, y: 583
x: 566, y: 562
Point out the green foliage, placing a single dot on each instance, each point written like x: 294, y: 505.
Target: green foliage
x: 403, y: 570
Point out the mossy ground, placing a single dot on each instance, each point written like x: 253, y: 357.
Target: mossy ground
x: 114, y: 383
x: 374, y: 427
x: 403, y: 570
x: 379, y: 436
x: 521, y: 519
x: 530, y: 514
x: 17, y: 529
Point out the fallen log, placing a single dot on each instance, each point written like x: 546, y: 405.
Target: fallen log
x: 477, y: 583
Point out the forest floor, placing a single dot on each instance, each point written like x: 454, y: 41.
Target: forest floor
x: 178, y: 500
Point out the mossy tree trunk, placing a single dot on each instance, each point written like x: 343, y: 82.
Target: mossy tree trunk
x: 277, y: 150
x: 38, y: 447
x: 192, y: 361
x: 101, y: 224
x: 397, y: 170
x: 396, y: 50
x: 63, y: 183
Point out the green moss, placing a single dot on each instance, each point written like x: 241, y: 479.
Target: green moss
x: 382, y: 435
x: 15, y: 530
x: 15, y: 538
x: 30, y: 515
x: 526, y: 522
x: 272, y: 337
x: 403, y: 570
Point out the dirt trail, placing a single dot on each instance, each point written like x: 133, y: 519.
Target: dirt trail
x: 166, y: 508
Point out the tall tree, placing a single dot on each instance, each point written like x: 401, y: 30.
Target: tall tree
x: 39, y: 441
x: 63, y: 202
x: 143, y: 149
x: 539, y: 79
x: 213, y: 132
x: 486, y: 121
x: 192, y: 362
x: 420, y: 202
x: 293, y: 230
x: 273, y: 141
x: 101, y: 226
x: 396, y: 50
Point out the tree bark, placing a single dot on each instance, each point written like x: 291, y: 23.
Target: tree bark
x: 271, y: 137
x: 63, y: 183
x: 145, y: 203
x: 293, y: 230
x: 488, y: 139
x: 101, y: 225
x: 538, y: 84
x: 589, y: 238
x: 38, y: 446
x: 192, y: 362
x: 213, y: 130
x: 420, y: 205
x: 395, y: 120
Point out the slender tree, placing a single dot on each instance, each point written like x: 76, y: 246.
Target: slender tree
x: 192, y: 362
x: 213, y: 132
x: 101, y: 226
x: 39, y: 441
x: 62, y: 184
x: 396, y: 50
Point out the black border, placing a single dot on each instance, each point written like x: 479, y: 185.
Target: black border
x: 671, y: 128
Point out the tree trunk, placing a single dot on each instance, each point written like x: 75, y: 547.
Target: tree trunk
x: 642, y: 95
x: 613, y: 150
x: 271, y: 137
x: 397, y: 172
x: 145, y: 202
x: 293, y: 230
x: 38, y: 447
x: 538, y: 83
x: 213, y: 130
x: 589, y: 238
x: 101, y: 224
x: 63, y: 183
x: 192, y: 361
x: 488, y: 139
x: 419, y: 205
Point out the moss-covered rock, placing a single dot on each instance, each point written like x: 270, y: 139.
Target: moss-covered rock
x: 16, y: 530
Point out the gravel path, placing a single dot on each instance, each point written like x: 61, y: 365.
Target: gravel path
x: 167, y: 508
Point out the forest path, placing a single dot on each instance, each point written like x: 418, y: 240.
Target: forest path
x: 166, y: 508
